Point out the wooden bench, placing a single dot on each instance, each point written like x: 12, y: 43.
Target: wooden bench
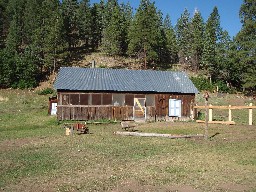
x: 128, y: 124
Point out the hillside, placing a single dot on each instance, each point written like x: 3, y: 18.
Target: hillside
x: 103, y: 61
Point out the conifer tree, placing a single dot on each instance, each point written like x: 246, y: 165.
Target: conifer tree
x: 112, y: 31
x: 84, y: 21
x: 222, y: 57
x: 145, y: 32
x: 70, y: 18
x: 211, y: 38
x: 33, y: 20
x: 54, y: 43
x: 13, y: 44
x: 14, y: 37
x: 126, y: 17
x: 183, y: 34
x: 246, y: 41
x: 197, y: 32
x: 4, y: 25
x: 170, y: 48
x: 96, y: 24
x: 7, y: 68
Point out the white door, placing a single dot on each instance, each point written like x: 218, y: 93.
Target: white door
x: 174, y: 108
x: 54, y: 109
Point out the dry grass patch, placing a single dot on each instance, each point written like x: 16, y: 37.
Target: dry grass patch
x: 36, y: 155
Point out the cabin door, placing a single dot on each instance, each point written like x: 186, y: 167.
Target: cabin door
x: 174, y: 108
x: 139, y: 109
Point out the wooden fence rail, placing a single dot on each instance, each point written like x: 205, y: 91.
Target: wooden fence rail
x: 211, y: 107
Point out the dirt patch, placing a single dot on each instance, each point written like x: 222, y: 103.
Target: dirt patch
x: 48, y: 83
x: 233, y: 187
x: 31, y: 186
x: 4, y: 99
x: 18, y: 143
x: 135, y: 186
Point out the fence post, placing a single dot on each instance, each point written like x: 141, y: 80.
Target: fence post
x: 229, y: 114
x: 250, y: 115
x: 210, y: 112
x: 206, y: 96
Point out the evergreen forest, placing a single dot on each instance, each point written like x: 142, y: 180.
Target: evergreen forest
x: 39, y: 36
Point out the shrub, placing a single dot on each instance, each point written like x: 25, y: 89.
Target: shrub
x: 202, y: 83
x: 46, y: 91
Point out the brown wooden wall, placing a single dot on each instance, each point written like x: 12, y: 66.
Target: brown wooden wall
x: 162, y: 103
x: 94, y: 106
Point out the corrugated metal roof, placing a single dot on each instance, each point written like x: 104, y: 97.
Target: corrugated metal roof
x: 98, y: 79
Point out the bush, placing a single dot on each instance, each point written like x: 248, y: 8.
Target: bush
x: 46, y: 91
x: 202, y: 83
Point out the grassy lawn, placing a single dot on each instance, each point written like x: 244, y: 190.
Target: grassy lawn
x: 36, y: 155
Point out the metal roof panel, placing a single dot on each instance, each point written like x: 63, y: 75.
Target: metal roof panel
x: 98, y: 79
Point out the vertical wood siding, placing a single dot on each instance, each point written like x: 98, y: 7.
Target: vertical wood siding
x: 94, y: 106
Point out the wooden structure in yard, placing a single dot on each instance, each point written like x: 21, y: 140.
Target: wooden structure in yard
x: 230, y: 108
x: 52, y: 104
x: 158, y: 135
x: 80, y: 128
x: 119, y: 94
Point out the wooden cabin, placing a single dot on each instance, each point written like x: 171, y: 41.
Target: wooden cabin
x: 120, y: 94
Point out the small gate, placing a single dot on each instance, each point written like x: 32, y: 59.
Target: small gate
x: 139, y: 109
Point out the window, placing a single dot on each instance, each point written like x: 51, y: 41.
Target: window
x: 107, y: 99
x: 118, y: 100
x: 84, y: 98
x: 129, y: 100
x: 96, y: 99
x: 65, y: 99
x: 74, y: 99
x: 150, y: 100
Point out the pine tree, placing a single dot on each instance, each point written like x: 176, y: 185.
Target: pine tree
x: 145, y: 32
x: 96, y: 24
x: 54, y: 43
x: 112, y: 31
x: 26, y: 70
x: 4, y: 25
x: 126, y: 17
x: 183, y: 34
x: 33, y: 19
x: 69, y: 13
x: 246, y: 41
x: 211, y: 38
x: 84, y: 22
x: 197, y: 32
x: 7, y: 68
x: 14, y: 37
x: 222, y: 57
x: 170, y: 49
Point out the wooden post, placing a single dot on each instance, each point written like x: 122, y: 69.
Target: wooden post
x: 250, y: 115
x: 191, y: 111
x: 206, y: 96
x: 210, y: 113
x: 229, y: 114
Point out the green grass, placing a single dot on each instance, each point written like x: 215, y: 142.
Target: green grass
x: 36, y: 155
x: 239, y: 116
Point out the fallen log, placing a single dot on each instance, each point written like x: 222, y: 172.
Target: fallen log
x: 157, y: 135
x: 217, y: 122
